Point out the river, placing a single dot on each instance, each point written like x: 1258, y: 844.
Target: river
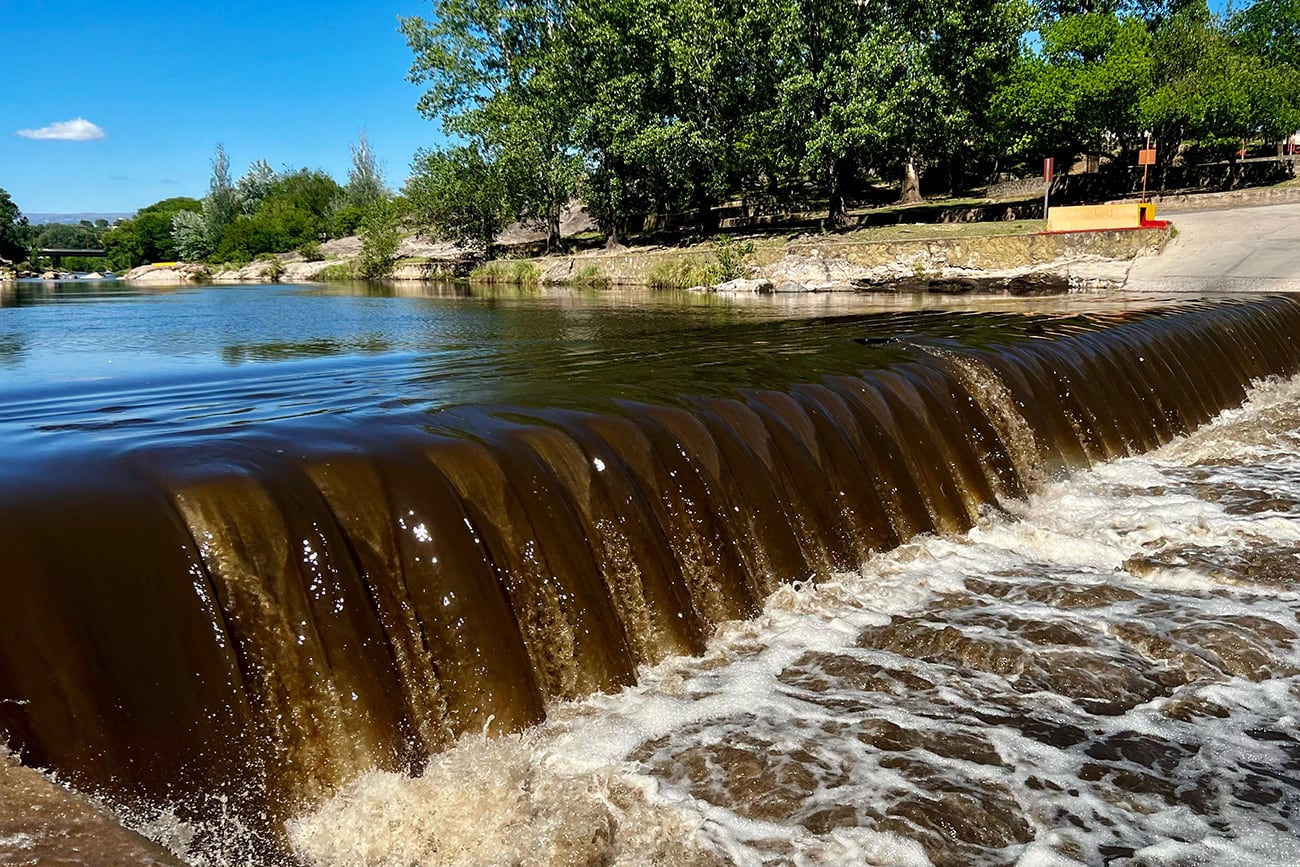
x: 717, y: 595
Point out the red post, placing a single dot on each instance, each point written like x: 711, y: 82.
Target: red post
x: 1049, y: 164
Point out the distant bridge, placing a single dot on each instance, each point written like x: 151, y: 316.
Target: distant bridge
x: 57, y: 256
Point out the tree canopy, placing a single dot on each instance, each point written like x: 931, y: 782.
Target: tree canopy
x: 13, y: 230
x: 663, y: 107
x: 147, y: 237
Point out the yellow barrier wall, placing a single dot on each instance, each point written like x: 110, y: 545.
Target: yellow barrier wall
x: 1082, y: 218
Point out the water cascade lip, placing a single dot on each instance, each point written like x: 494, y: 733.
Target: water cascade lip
x: 269, y: 613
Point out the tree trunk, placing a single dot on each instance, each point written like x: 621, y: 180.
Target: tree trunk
x: 911, y: 193
x: 553, y: 230
x: 835, y: 208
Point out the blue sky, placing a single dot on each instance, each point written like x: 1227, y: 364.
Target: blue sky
x: 289, y: 82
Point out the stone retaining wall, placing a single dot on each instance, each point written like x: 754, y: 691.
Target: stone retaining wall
x: 837, y: 260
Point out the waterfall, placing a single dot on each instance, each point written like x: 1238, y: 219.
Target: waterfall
x: 267, y: 616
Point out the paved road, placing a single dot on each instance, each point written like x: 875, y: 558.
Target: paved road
x: 1244, y: 249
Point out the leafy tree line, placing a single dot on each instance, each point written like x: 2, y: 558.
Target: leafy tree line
x: 669, y: 106
x: 19, y: 239
x: 1101, y: 78
x: 261, y: 212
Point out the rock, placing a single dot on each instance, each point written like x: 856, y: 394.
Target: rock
x: 742, y: 286
x: 170, y: 274
x: 94, y: 275
x: 956, y: 286
x: 1041, y: 283
x: 43, y: 823
x: 813, y: 272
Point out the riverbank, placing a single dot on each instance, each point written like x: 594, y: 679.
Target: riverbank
x: 866, y: 258
x: 876, y: 258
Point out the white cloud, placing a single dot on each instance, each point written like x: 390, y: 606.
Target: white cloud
x: 65, y: 130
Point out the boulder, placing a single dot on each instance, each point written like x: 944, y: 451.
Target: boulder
x: 742, y: 286
x: 813, y: 272
x: 169, y: 274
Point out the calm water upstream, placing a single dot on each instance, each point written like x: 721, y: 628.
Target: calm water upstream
x: 364, y: 576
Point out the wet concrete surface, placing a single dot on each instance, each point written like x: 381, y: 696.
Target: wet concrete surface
x: 1247, y: 249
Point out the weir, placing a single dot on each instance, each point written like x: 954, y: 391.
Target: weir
x: 254, y: 620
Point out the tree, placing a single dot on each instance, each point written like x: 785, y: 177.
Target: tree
x: 13, y: 230
x: 221, y: 205
x: 380, y: 238
x: 366, y: 177
x: 190, y: 235
x: 1269, y: 29
x: 297, y: 208
x: 147, y: 237
x: 1081, y: 89
x: 1217, y: 81
x: 252, y: 189
x: 489, y: 67
x: 457, y: 195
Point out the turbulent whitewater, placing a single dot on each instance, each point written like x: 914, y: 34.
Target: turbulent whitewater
x: 1104, y: 673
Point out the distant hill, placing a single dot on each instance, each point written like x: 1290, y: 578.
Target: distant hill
x: 74, y: 219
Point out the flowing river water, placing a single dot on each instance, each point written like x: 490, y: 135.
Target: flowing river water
x: 352, y: 579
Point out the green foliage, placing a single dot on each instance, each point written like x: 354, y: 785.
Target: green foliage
x: 497, y: 80
x: 684, y: 273
x: 380, y: 237
x: 297, y: 208
x: 13, y: 230
x: 510, y: 272
x: 221, y: 205
x: 1219, y: 81
x: 190, y: 236
x: 310, y: 251
x: 147, y: 237
x: 1269, y: 29
x: 365, y: 184
x: 458, y: 195
x: 1085, y: 83
x: 347, y: 220
x: 1100, y: 76
x: 665, y: 106
x: 335, y: 273
x: 254, y: 187
x: 272, y: 268
x: 590, y: 277
x: 735, y: 258
x: 83, y: 236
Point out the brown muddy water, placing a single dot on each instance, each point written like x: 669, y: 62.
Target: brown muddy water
x: 295, y: 576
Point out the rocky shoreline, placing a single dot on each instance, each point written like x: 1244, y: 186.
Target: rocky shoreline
x: 999, y: 263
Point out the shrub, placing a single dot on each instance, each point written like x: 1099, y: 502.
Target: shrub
x: 590, y: 277
x: 734, y: 257
x: 380, y: 238
x: 337, y: 272
x: 684, y: 274
x: 273, y: 269
x: 511, y: 272
x: 310, y: 251
x: 347, y: 220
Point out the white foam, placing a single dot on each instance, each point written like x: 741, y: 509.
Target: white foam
x: 605, y: 776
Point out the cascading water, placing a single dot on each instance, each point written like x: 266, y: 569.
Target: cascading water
x: 246, y: 624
